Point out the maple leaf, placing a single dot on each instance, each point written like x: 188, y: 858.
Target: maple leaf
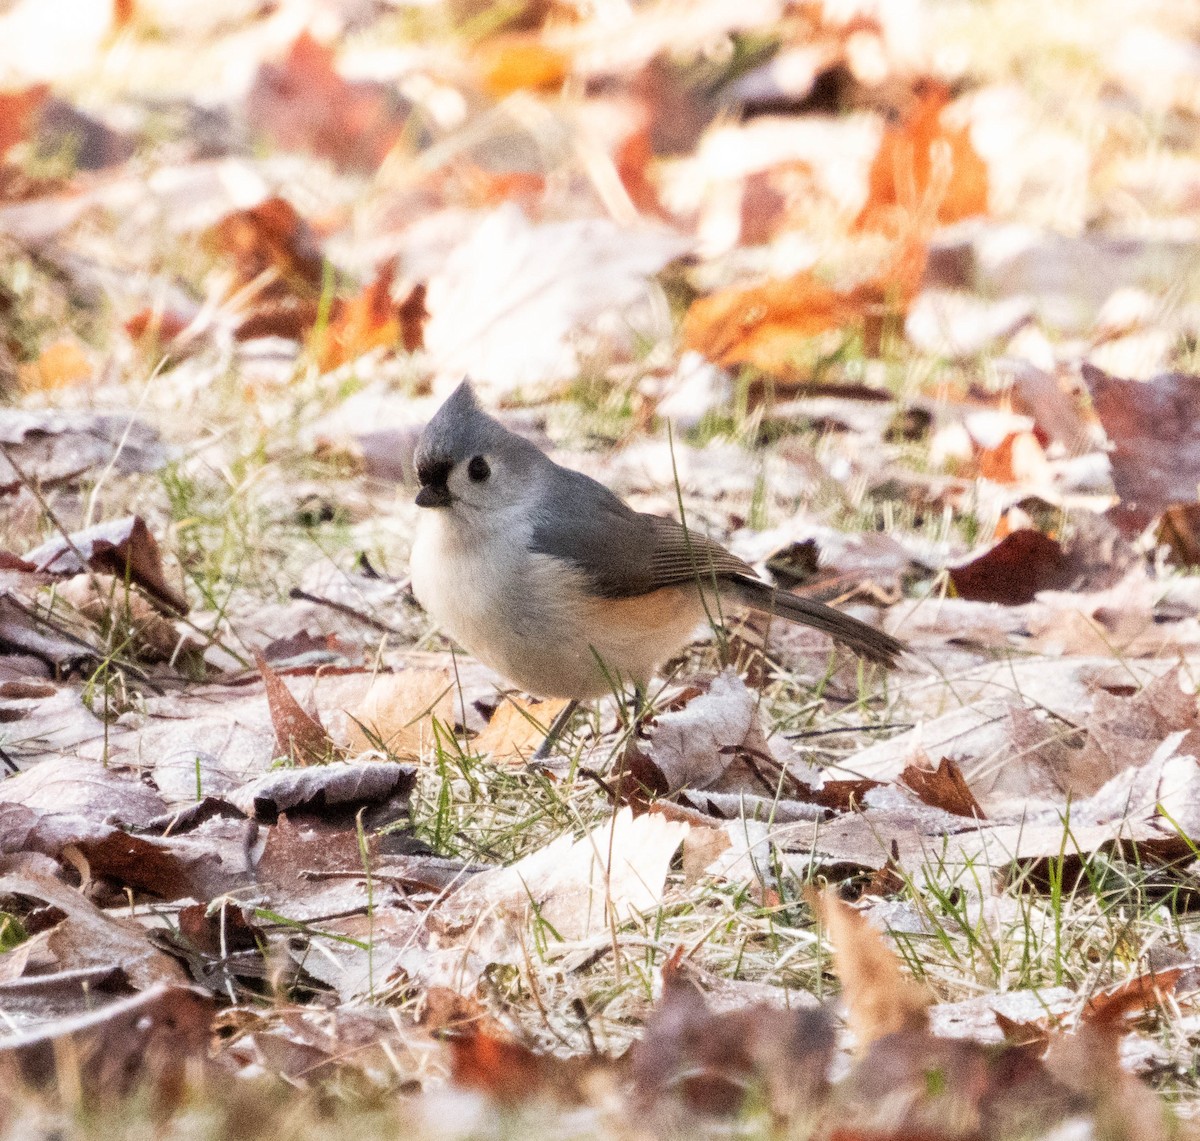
x: 925, y: 166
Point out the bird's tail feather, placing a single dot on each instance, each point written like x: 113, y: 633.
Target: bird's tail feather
x: 855, y: 635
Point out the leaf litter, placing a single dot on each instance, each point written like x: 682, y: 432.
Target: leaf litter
x: 263, y: 825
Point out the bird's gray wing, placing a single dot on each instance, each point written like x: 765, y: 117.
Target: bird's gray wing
x: 623, y: 553
x: 682, y: 554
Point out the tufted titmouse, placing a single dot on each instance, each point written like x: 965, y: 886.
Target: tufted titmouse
x: 546, y: 576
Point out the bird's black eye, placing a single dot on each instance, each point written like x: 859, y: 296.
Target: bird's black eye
x: 478, y: 469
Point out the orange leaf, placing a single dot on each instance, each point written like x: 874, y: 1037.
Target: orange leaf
x: 1138, y: 995
x: 18, y: 114
x: 767, y: 325
x: 1018, y: 458
x: 59, y: 365
x: 632, y: 161
x: 880, y: 997
x: 521, y: 63
x: 923, y: 165
x: 372, y: 320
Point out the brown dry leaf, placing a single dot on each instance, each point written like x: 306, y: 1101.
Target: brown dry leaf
x: 60, y: 364
x: 943, y: 787
x: 1179, y: 531
x: 1013, y: 571
x: 270, y: 237
x: 1088, y: 1063
x: 334, y: 792
x: 22, y: 631
x: 881, y: 999
x: 395, y: 712
x: 517, y: 728
x: 521, y: 62
x: 149, y: 1044
x: 123, y: 548
x: 85, y: 937
x: 39, y: 999
x: 159, y: 325
x: 714, y: 1063
x: 151, y: 636
x: 1138, y: 995
x: 298, y: 733
x: 1124, y: 732
x: 694, y: 747
x: 1049, y: 400
x: 578, y: 890
x: 58, y: 447
x: 1155, y: 429
x: 310, y: 869
x: 920, y: 158
x: 304, y: 104
x: 100, y: 792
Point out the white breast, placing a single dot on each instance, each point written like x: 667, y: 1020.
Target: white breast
x: 530, y: 617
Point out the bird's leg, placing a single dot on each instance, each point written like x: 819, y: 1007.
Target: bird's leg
x: 557, y: 728
x: 638, y: 705
x: 639, y: 710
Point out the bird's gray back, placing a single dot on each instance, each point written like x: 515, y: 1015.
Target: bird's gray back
x: 580, y: 520
x: 623, y: 552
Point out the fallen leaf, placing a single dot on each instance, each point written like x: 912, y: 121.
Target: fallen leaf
x: 86, y: 936
x: 881, y: 999
x: 1017, y: 459
x: 943, y: 787
x: 1141, y: 994
x: 60, y: 447
x: 270, y: 237
x: 303, y: 103
x: 372, y: 320
x: 149, y: 1043
x: 60, y: 364
x: 299, y: 735
x: 694, y: 747
x: 566, y: 892
x: 715, y: 1063
x: 68, y: 784
x: 123, y: 548
x: 1014, y: 570
x: 1179, y: 531
x: 333, y: 792
x: 770, y: 325
x: 521, y: 62
x: 24, y: 631
x: 511, y: 300
x: 517, y: 728
x: 19, y: 114
x: 1155, y: 429
x: 923, y: 165
x: 397, y: 712
x: 160, y: 325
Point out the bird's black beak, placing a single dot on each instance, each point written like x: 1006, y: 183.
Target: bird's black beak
x: 434, y: 495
